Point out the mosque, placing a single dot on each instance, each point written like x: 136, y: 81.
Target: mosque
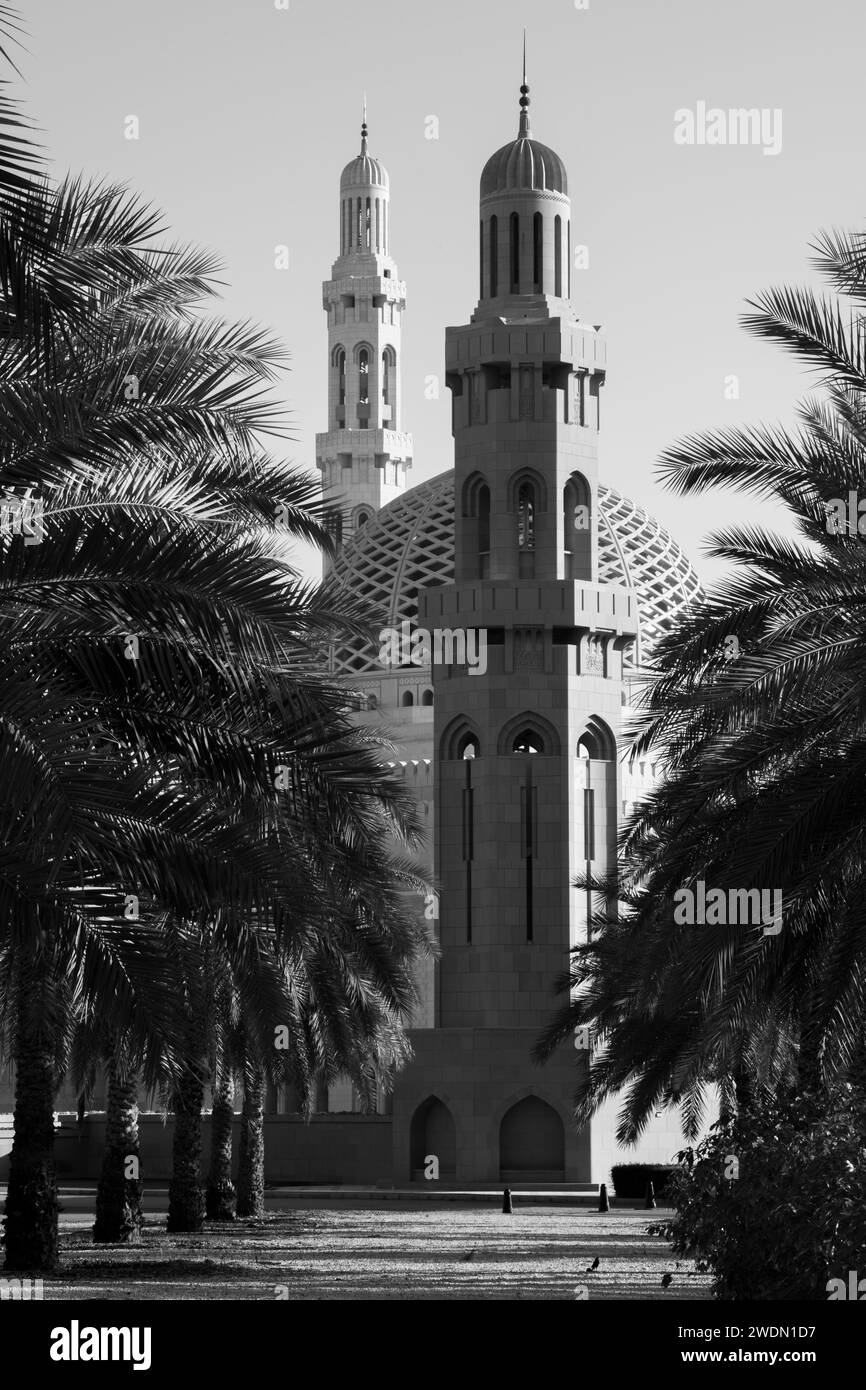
x: 566, y: 584
x: 516, y: 761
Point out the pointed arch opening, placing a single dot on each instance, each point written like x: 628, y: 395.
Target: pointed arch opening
x: 364, y: 377
x: 476, y: 511
x: 459, y: 739
x: 531, y: 1143
x: 432, y: 1134
x: 527, y: 741
x: 514, y: 252
x: 526, y: 518
x: 531, y: 729
x: 597, y: 741
x: 577, y: 522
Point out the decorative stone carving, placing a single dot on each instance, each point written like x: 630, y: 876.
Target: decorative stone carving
x: 529, y: 649
x: 595, y: 663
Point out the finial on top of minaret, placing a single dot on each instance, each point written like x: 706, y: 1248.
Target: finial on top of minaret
x: 525, y: 128
x: 364, y: 128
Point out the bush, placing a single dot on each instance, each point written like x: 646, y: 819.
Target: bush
x: 771, y: 1203
x: 630, y: 1179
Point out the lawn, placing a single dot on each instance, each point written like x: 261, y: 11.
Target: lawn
x: 338, y: 1252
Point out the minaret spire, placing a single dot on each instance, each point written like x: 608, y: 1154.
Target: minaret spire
x: 525, y: 128
x: 364, y: 128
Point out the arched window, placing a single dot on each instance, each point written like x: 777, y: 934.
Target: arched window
x: 458, y: 737
x: 537, y: 252
x: 367, y: 226
x: 597, y: 742
x: 408, y: 698
x: 386, y: 378
x: 528, y: 741
x: 358, y: 227
x: 494, y: 257
x: 557, y: 255
x: 378, y: 224
x: 484, y: 531
x: 514, y: 258
x: 341, y: 377
x: 468, y: 747
x: 528, y: 732
x: 526, y: 517
x: 363, y: 518
x: 372, y: 702
x: 427, y: 697
x: 363, y: 377
x: 577, y: 527
x: 481, y: 259
x: 476, y: 510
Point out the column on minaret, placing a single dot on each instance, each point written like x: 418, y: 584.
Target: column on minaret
x: 364, y: 455
x: 526, y: 750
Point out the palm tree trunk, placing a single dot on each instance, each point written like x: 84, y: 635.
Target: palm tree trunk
x: 251, y: 1164
x: 31, y: 1200
x: 118, y: 1196
x: 809, y: 1068
x: 185, y: 1195
x: 220, y: 1191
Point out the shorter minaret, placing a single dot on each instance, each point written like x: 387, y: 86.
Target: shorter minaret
x: 364, y: 456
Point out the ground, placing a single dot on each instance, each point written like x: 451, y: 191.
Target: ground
x: 334, y: 1250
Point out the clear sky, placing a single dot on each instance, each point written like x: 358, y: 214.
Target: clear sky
x: 248, y: 114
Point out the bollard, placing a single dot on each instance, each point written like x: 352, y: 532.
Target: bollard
x: 603, y: 1199
x: 507, y: 1207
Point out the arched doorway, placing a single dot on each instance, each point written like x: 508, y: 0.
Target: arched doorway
x: 433, y: 1132
x: 531, y: 1143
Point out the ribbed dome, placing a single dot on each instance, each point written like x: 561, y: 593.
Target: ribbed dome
x: 524, y: 163
x: 364, y: 169
x: 409, y: 546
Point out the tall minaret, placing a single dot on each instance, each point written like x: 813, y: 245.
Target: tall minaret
x: 527, y: 781
x: 364, y: 456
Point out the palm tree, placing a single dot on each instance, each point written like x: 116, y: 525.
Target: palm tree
x: 160, y: 658
x: 251, y: 1158
x: 755, y: 710
x: 119, y: 1193
x: 220, y: 1197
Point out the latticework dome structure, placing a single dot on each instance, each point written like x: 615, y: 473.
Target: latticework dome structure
x: 409, y: 546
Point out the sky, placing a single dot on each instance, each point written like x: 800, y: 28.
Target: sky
x: 248, y: 112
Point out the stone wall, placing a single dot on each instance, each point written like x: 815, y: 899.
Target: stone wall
x: 330, y: 1149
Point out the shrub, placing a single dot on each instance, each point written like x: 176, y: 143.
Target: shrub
x: 771, y: 1202
x: 630, y: 1179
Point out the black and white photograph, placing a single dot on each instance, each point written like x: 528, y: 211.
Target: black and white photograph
x: 433, y: 672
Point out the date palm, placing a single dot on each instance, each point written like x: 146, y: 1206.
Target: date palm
x: 160, y: 668
x: 755, y: 711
